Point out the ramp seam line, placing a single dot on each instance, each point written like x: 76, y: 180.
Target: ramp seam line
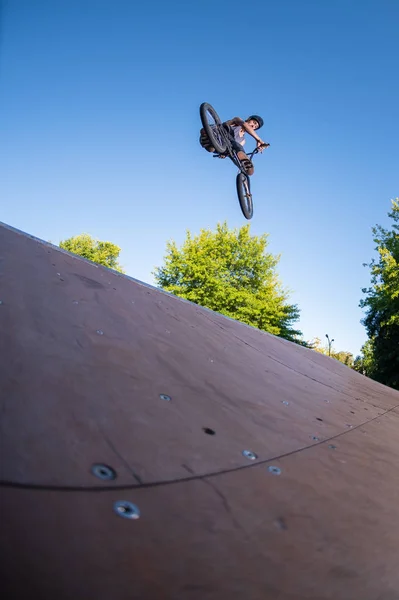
x: 43, y: 487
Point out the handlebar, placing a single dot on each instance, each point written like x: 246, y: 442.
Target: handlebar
x: 256, y: 150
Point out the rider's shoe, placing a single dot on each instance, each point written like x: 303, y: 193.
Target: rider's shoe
x: 247, y: 164
x: 204, y: 141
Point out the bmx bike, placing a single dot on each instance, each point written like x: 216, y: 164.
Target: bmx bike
x: 219, y: 137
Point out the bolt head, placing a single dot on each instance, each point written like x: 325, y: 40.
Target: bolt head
x: 126, y: 509
x: 103, y: 472
x: 250, y: 455
x: 274, y: 470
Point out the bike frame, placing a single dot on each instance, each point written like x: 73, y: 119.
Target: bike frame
x: 232, y: 154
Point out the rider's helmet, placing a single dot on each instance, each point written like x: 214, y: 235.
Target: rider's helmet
x: 258, y: 119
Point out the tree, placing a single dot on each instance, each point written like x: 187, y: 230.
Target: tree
x: 316, y: 345
x: 364, y: 363
x: 382, y: 303
x: 343, y: 355
x: 102, y: 253
x: 229, y: 271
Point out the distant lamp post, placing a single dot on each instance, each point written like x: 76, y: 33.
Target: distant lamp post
x: 329, y: 344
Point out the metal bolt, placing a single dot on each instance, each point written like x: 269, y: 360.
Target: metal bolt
x: 126, y: 509
x: 249, y: 454
x: 286, y: 402
x: 100, y: 332
x: 274, y: 470
x: 103, y: 472
x: 165, y: 397
x: 332, y: 447
x: 315, y: 438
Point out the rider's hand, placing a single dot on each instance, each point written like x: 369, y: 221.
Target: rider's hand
x: 261, y: 145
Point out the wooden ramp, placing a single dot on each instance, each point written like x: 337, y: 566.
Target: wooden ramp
x: 152, y: 449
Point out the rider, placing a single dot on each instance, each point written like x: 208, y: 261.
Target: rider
x: 236, y: 129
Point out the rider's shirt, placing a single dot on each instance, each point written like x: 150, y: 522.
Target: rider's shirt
x: 239, y: 134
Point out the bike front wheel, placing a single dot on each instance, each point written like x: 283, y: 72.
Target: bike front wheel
x: 213, y: 127
x: 244, y: 195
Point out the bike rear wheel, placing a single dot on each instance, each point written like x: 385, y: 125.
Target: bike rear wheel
x: 212, y: 124
x: 244, y: 195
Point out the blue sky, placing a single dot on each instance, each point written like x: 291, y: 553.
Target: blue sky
x: 99, y: 131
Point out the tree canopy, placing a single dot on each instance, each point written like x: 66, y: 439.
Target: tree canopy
x: 102, y: 253
x: 382, y: 305
x: 231, y: 272
x: 342, y: 355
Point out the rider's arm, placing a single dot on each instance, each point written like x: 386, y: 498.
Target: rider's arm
x: 244, y: 125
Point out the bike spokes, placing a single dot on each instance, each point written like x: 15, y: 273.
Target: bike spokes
x: 216, y: 128
x: 213, y: 127
x: 244, y: 195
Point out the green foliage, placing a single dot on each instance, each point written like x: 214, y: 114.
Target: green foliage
x: 229, y: 271
x: 382, y: 303
x: 343, y: 356
x: 364, y: 363
x: 317, y: 346
x: 102, y: 253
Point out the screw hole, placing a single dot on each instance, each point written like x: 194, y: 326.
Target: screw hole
x: 274, y: 470
x: 250, y: 455
x: 208, y: 430
x: 103, y: 472
x: 126, y: 509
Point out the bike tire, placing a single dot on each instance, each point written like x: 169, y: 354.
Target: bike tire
x: 216, y: 142
x: 246, y: 203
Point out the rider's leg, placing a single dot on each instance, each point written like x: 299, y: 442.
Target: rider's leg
x: 205, y: 142
x: 247, y: 163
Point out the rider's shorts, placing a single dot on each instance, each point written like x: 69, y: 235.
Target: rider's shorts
x: 235, y: 145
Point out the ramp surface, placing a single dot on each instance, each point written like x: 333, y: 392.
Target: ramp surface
x: 260, y: 469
